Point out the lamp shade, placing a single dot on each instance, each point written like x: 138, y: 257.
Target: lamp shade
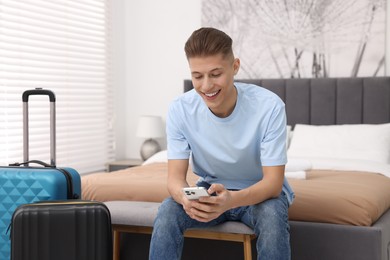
x: 150, y: 127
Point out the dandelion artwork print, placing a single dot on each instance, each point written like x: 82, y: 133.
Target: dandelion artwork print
x: 301, y: 39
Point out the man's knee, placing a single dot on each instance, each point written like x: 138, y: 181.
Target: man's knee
x: 270, y: 214
x: 169, y: 210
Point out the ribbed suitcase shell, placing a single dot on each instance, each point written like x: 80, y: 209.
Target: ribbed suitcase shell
x: 64, y: 230
x: 22, y: 185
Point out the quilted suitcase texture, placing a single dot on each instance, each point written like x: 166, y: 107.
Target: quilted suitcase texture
x: 22, y: 184
x: 61, y: 230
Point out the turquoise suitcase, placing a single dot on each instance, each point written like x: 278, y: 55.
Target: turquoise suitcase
x: 21, y: 183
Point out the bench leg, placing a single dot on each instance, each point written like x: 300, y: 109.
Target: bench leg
x: 247, y: 247
x: 116, y: 253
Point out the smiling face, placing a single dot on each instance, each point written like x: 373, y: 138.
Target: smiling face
x: 213, y: 79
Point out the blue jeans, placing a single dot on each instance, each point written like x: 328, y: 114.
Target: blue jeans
x: 268, y: 219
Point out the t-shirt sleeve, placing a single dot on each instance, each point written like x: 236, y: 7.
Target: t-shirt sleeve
x: 273, y: 145
x: 177, y: 144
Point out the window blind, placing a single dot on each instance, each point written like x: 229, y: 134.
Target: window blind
x: 63, y: 46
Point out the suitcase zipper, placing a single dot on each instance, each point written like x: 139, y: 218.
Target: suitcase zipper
x: 69, y: 181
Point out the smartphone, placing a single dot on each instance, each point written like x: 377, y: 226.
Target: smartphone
x: 194, y: 193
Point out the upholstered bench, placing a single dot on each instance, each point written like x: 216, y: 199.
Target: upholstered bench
x: 138, y: 217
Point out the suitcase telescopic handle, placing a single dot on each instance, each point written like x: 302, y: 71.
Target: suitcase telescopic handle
x: 52, y: 99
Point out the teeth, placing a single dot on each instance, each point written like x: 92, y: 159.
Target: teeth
x: 211, y: 94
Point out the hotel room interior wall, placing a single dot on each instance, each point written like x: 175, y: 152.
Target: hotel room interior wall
x: 119, y: 75
x: 155, y: 64
x: 387, y: 38
x: 149, y: 63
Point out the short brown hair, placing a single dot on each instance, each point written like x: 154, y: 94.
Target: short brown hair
x: 208, y: 41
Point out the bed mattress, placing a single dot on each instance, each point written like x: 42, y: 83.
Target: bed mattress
x: 326, y: 196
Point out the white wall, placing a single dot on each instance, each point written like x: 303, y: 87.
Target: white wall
x: 150, y: 65
x: 118, y: 80
x: 388, y: 38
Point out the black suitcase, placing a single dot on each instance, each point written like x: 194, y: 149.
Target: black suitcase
x: 27, y: 184
x: 61, y: 230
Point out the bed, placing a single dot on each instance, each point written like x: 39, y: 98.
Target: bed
x: 339, y: 168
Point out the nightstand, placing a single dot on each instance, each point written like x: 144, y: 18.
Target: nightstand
x: 123, y: 164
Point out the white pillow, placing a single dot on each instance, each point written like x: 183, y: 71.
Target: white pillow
x: 362, y: 142
x: 161, y: 156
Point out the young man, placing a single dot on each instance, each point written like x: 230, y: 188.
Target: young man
x: 235, y: 135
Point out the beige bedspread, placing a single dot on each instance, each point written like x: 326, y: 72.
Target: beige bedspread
x: 141, y: 183
x: 341, y: 197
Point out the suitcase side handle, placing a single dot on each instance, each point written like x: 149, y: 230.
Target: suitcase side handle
x: 52, y: 99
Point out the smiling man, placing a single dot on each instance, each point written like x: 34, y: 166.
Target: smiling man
x: 235, y: 135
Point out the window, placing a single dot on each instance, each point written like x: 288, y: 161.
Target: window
x: 63, y: 46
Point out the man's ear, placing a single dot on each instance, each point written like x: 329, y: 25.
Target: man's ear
x: 236, y: 65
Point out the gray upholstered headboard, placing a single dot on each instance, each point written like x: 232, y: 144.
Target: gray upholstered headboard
x: 329, y: 101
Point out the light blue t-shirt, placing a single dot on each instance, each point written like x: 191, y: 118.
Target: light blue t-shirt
x: 230, y: 150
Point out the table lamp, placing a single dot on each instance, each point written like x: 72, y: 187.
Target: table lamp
x: 150, y: 127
